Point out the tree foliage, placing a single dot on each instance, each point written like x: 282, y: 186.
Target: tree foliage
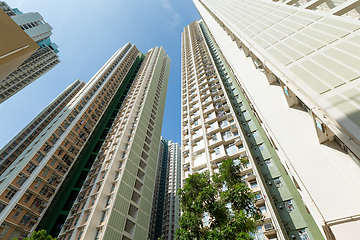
x: 213, y: 196
x: 39, y: 235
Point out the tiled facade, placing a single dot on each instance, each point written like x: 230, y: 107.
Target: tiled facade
x: 13, y: 149
x: 29, y: 184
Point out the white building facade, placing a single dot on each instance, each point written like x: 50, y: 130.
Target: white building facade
x: 219, y: 122
x: 299, y: 71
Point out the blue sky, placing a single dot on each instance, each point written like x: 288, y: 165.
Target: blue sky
x: 88, y: 33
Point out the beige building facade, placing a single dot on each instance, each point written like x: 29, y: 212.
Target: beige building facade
x: 29, y: 184
x: 16, y: 46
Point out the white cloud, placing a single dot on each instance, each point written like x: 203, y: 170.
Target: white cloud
x: 176, y: 17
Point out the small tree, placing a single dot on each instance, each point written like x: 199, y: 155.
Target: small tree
x: 224, y: 198
x: 39, y: 235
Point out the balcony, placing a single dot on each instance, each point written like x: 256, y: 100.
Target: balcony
x: 250, y: 176
x: 238, y: 141
x: 233, y: 129
x: 269, y: 229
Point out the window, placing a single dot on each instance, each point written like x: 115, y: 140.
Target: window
x: 262, y: 147
x: 253, y: 184
x: 231, y: 149
x: 17, y: 213
x: 259, y: 234
x: 196, y: 122
x: 53, y: 161
x: 269, y: 162
x: 5, y: 230
x: 47, y: 148
x: 226, y: 135
x: 37, y: 185
x: 60, y: 132
x: 199, y: 144
x: 220, y: 114
x: 28, y: 197
x: 21, y: 180
x: 112, y: 188
x: 277, y: 182
x: 31, y: 168
x: 303, y: 234
x: 217, y: 150
x: 44, y: 190
x: 46, y: 172
x: 214, y: 137
x: 87, y: 217
x: 289, y: 206
x: 53, y: 140
x: 224, y: 124
x: 103, y: 217
x: 25, y: 219
x: 197, y: 132
x: 263, y: 209
x: 11, y: 193
x: 116, y: 175
x: 108, y: 202
x: 39, y: 157
x: 97, y: 236
x: 76, y: 220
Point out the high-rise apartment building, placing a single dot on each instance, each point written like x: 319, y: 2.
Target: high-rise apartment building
x: 218, y: 122
x: 296, y: 64
x: 165, y: 211
x: 40, y: 62
x: 107, y: 135
x: 16, y: 46
x: 13, y: 149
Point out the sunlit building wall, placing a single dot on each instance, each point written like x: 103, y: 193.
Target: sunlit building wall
x: 44, y: 59
x: 298, y: 67
x: 219, y: 122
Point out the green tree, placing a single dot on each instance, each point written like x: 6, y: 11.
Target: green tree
x: 39, y: 235
x: 224, y: 199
